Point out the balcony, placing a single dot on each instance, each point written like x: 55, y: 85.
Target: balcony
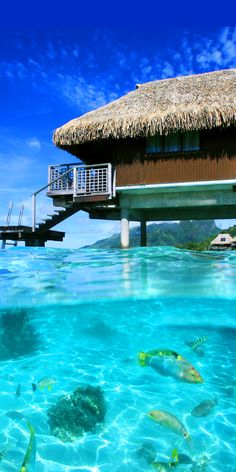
x: 81, y: 181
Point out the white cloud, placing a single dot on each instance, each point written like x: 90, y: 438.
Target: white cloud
x: 51, y: 53
x: 86, y: 85
x: 167, y: 70
x: 34, y: 143
x: 220, y: 52
x: 78, y: 91
x: 75, y: 52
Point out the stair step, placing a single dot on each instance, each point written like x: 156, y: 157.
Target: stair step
x: 55, y: 218
x: 54, y: 215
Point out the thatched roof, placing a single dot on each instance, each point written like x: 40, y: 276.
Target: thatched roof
x: 194, y: 102
x: 222, y: 239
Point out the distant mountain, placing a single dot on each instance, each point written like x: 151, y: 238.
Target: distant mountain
x: 166, y: 234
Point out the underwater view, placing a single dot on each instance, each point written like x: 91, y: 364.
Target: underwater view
x: 117, y: 360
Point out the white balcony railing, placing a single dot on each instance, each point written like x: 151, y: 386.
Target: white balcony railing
x: 80, y: 180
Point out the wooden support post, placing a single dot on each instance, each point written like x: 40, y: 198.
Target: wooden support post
x: 124, y: 226
x: 143, y: 233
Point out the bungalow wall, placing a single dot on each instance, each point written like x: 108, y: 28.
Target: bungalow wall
x: 177, y: 170
x: 216, y: 159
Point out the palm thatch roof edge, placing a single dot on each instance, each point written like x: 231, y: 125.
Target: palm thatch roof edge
x: 188, y: 103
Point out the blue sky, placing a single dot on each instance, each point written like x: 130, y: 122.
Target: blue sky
x: 49, y: 76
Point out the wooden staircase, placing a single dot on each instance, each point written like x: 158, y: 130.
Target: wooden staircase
x: 76, y: 187
x: 57, y: 217
x: 42, y: 231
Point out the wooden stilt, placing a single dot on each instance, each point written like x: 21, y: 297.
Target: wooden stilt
x: 143, y: 233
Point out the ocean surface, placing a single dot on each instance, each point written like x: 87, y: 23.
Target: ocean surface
x: 74, y: 396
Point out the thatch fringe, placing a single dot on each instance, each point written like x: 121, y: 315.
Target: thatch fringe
x: 203, y: 101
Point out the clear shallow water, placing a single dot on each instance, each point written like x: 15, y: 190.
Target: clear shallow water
x: 81, y: 317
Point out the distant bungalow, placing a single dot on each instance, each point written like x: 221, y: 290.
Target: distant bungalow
x: 165, y: 151
x: 221, y: 242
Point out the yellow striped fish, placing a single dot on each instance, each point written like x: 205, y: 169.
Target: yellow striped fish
x: 195, y: 344
x: 3, y: 452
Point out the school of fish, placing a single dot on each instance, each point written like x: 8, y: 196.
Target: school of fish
x: 172, y: 364
x: 166, y: 362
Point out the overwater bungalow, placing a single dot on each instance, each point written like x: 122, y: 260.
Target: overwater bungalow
x: 164, y: 151
x: 221, y: 242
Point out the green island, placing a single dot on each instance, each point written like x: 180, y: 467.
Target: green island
x: 192, y: 235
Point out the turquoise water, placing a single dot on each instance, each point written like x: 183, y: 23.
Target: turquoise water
x: 80, y: 317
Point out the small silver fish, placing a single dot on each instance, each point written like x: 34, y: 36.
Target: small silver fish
x: 17, y: 394
x: 204, y: 408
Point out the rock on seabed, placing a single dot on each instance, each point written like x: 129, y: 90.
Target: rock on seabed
x: 82, y: 411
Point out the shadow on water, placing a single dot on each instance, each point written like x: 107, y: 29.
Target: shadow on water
x: 17, y: 336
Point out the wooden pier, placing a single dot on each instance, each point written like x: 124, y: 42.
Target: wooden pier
x: 25, y: 234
